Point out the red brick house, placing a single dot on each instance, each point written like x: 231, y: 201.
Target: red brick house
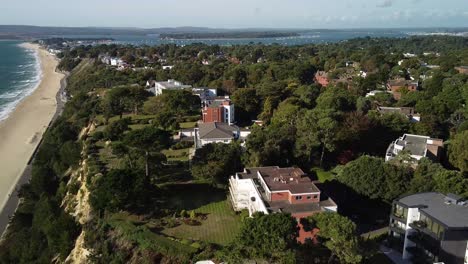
x: 321, y: 77
x: 219, y: 110
x: 279, y: 190
x: 395, y: 86
x: 462, y: 69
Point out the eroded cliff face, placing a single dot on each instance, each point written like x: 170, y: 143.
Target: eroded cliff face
x: 76, y: 202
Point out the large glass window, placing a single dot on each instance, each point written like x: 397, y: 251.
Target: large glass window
x: 400, y: 211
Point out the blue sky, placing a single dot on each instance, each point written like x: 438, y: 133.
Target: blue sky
x: 237, y: 13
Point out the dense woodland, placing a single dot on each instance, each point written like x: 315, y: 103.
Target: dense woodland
x: 336, y: 129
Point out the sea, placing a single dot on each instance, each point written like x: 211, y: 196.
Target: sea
x: 20, y: 74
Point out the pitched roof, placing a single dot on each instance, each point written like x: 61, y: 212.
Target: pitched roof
x: 216, y: 130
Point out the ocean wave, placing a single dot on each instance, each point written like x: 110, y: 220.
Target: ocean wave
x: 24, y: 89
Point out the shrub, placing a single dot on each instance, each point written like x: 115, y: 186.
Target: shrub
x: 193, y: 215
x: 182, y: 145
x: 196, y: 245
x: 183, y: 214
x: 98, y: 135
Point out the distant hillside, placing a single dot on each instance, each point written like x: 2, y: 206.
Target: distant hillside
x: 28, y: 32
x: 228, y: 35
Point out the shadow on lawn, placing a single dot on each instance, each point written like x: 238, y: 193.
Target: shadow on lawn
x: 368, y: 214
x: 191, y: 196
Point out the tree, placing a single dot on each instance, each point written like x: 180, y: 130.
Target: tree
x: 136, y: 98
x: 305, y: 73
x: 375, y: 179
x: 307, y: 94
x: 114, y: 102
x: 216, y: 162
x: 264, y: 237
x: 115, y: 130
x: 120, y: 190
x: 247, y: 104
x: 339, y: 235
x: 178, y: 103
x: 148, y: 139
x: 447, y: 181
x: 317, y: 128
x: 458, y: 151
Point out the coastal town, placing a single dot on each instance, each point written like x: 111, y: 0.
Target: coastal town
x: 354, y: 152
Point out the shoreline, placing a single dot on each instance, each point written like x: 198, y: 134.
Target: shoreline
x: 21, y: 132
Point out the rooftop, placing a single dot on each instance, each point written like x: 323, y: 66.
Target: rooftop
x: 282, y: 179
x: 173, y: 84
x: 216, y: 130
x: 402, y: 110
x: 435, y: 205
x: 415, y: 144
x: 402, y: 82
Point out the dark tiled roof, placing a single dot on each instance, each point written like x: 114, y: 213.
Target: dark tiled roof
x: 434, y: 205
x: 216, y: 130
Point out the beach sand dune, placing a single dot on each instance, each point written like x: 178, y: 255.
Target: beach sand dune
x: 21, y: 132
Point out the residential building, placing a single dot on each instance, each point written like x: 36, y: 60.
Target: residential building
x: 321, y: 77
x: 215, y: 132
x: 167, y: 67
x: 462, y: 69
x: 219, y: 110
x: 406, y: 111
x: 395, y: 86
x: 375, y: 92
x: 430, y: 227
x: 278, y: 190
x: 417, y: 147
x: 206, y: 94
x: 157, y: 88
x: 116, y: 61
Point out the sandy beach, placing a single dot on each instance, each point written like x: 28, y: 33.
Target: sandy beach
x: 22, y: 131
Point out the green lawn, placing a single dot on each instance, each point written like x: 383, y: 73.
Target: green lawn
x: 220, y: 227
x: 323, y: 175
x: 185, y: 125
x: 129, y: 229
x: 177, y: 154
x: 132, y: 116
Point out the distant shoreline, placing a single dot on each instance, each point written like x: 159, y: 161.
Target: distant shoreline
x: 22, y: 132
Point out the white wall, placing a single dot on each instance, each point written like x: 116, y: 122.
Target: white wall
x: 242, y: 191
x: 413, y: 215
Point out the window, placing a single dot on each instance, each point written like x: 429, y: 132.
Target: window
x: 400, y: 211
x: 308, y: 197
x: 315, y: 196
x: 298, y: 197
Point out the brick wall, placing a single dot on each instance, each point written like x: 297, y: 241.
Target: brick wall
x: 212, y: 115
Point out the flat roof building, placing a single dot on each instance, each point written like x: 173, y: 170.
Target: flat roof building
x: 417, y: 147
x: 430, y: 227
x: 278, y: 190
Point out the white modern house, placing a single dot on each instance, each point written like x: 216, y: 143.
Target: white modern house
x: 157, y: 88
x: 418, y: 147
x: 430, y: 227
x: 244, y: 195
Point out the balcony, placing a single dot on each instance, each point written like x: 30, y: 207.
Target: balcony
x: 399, y: 228
x: 419, y: 225
x: 425, y: 241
